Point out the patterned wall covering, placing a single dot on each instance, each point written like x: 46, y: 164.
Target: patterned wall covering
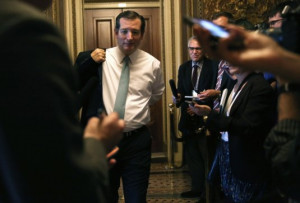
x: 109, y: 1
x: 253, y: 10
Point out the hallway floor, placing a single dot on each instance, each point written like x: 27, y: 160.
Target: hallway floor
x: 166, y: 184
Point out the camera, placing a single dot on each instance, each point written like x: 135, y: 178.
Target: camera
x: 291, y: 30
x: 288, y: 35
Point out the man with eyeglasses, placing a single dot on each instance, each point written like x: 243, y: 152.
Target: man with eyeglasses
x: 275, y: 18
x: 275, y: 21
x: 130, y: 80
x: 194, y: 76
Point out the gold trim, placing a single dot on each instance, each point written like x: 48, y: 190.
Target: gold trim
x: 74, y: 25
x: 117, y: 5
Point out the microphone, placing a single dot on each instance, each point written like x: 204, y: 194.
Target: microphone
x: 173, y: 88
x: 223, y: 99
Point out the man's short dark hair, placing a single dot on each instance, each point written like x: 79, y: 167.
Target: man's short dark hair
x: 224, y: 14
x: 243, y: 22
x: 130, y: 15
x: 279, y: 8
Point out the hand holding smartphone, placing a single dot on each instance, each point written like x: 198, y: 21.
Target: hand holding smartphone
x: 216, y: 32
x: 214, y: 29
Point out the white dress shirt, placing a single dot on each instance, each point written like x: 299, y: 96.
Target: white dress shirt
x: 146, y: 85
x: 230, y: 101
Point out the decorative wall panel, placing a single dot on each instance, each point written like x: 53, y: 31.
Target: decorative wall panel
x: 109, y: 1
x: 254, y: 10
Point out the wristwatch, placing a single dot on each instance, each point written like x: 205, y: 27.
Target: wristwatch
x: 289, y: 87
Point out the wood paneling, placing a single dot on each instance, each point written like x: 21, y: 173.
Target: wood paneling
x: 99, y: 28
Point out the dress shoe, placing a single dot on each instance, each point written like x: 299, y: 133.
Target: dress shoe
x: 191, y: 194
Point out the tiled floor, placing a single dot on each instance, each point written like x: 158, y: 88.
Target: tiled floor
x: 166, y: 184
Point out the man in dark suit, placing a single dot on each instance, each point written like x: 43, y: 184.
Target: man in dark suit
x: 195, y: 76
x: 45, y: 158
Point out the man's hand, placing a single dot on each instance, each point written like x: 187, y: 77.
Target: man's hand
x: 200, y: 110
x: 107, y: 129
x: 208, y: 94
x: 98, y: 55
x: 110, y: 156
x: 176, y: 100
x: 258, y: 52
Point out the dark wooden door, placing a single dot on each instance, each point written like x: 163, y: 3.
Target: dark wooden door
x: 99, y: 32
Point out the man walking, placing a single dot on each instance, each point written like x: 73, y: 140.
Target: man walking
x: 130, y: 81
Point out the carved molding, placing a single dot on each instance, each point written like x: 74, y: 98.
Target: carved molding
x: 75, y: 30
x: 55, y: 14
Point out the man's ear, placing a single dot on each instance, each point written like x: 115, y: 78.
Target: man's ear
x: 116, y: 31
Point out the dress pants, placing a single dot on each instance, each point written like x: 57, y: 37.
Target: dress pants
x: 133, y: 166
x: 196, y: 157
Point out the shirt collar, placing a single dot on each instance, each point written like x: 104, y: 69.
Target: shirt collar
x: 198, y: 63
x: 121, y: 56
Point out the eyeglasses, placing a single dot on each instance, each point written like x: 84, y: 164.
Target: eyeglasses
x: 195, y: 48
x: 273, y: 22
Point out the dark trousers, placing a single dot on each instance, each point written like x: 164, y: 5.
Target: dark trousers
x: 133, y: 166
x: 196, y: 158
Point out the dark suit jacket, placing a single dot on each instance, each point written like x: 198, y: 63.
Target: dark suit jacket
x: 90, y: 76
x: 188, y: 124
x: 52, y: 162
x: 248, y: 125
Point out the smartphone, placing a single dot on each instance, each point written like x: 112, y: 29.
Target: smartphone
x: 216, y: 32
x: 214, y: 29
x: 192, y: 100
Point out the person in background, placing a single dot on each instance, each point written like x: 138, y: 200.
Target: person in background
x: 223, y: 18
x: 131, y: 80
x: 275, y: 17
x: 275, y: 22
x: 244, y: 23
x: 45, y: 154
x: 195, y: 76
x: 221, y: 79
x: 244, y: 125
x: 262, y: 53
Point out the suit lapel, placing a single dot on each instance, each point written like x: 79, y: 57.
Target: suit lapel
x: 239, y: 99
x: 243, y: 94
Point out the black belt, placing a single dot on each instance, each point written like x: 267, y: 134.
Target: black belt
x: 134, y: 132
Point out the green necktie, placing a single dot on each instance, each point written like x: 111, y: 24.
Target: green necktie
x: 122, y: 89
